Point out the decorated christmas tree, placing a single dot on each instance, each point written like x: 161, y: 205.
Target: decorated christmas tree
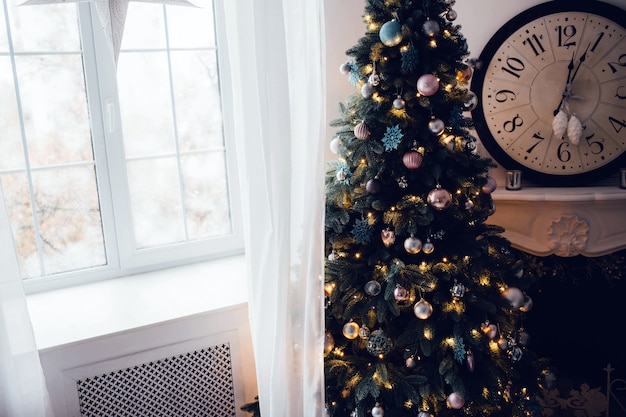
x: 425, y: 300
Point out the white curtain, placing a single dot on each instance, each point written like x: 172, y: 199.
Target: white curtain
x: 23, y: 390
x: 276, y: 53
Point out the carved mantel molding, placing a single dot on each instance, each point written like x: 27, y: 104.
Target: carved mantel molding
x: 563, y: 221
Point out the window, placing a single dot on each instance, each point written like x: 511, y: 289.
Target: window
x: 112, y: 170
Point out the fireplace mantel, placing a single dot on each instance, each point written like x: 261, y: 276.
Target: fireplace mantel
x: 563, y: 221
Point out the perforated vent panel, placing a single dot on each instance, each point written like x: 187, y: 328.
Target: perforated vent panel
x: 198, y: 383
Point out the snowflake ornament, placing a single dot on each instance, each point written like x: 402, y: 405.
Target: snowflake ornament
x: 409, y: 59
x: 362, y: 231
x: 392, y: 138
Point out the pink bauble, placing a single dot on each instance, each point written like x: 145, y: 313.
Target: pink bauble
x: 491, y: 330
x: 427, y: 85
x: 361, y: 131
x: 400, y: 293
x: 490, y: 186
x: 471, y: 361
x: 412, y: 159
x: 439, y: 198
x: 456, y: 401
x: 373, y: 186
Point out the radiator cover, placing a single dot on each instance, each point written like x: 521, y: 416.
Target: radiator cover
x: 193, y: 384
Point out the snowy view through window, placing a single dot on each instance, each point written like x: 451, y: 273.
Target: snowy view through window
x: 94, y: 161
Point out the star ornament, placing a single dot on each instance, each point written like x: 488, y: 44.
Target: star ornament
x: 112, y: 14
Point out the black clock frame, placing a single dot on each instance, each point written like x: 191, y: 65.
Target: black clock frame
x: 608, y: 11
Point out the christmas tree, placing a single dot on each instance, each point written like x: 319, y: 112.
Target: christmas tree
x: 425, y: 301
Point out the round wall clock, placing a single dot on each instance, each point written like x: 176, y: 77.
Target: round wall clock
x: 552, y: 92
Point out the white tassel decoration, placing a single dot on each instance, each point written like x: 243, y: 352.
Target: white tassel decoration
x: 574, y: 130
x: 559, y: 124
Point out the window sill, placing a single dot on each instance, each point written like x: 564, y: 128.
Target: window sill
x: 98, y: 309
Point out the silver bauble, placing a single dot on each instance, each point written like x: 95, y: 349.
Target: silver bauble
x: 351, y: 330
x: 372, y: 288
x: 515, y: 296
x: 399, y: 103
x: 423, y: 309
x: 412, y: 245
x: 431, y: 27
x: 334, y: 145
x: 428, y: 247
x: 439, y: 198
x: 436, y: 126
x: 367, y: 90
x: 377, y: 411
x: 528, y: 304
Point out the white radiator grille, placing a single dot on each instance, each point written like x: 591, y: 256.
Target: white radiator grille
x: 194, y: 384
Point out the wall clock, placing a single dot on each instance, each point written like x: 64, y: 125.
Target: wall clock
x: 552, y: 92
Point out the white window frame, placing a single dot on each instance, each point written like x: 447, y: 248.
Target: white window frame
x: 122, y: 257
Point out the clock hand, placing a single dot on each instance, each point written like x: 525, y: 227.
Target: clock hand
x: 580, y: 61
x: 570, y: 67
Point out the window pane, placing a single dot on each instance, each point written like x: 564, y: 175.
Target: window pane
x: 54, y: 107
x: 44, y: 28
x: 206, y: 195
x: 150, y: 33
x: 69, y: 221
x: 173, y: 130
x: 198, y: 110
x: 155, y: 202
x: 145, y: 103
x: 12, y: 155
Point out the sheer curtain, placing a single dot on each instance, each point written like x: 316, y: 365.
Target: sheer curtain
x: 23, y: 390
x: 276, y: 53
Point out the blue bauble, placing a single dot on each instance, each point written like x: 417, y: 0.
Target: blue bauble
x: 391, y: 33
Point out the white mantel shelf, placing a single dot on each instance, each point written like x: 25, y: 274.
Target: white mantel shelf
x: 563, y: 221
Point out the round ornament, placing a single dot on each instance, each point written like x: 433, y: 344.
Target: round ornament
x: 367, y: 90
x: 399, y: 103
x: 364, y: 332
x: 515, y: 296
x: 471, y: 103
x: 400, y: 293
x: 412, y: 245
x: 439, y: 198
x: 372, y: 288
x: 373, y: 186
x: 391, y: 33
x: 516, y: 354
x: 351, y: 330
x: 378, y: 343
x: 344, y: 68
x: 490, y: 186
x: 428, y: 247
x: 451, y: 15
x: 361, y: 131
x: 465, y: 74
x: 424, y: 414
x: 334, y: 145
x: 333, y: 256
x: 374, y: 79
x: 388, y: 237
x: 341, y: 175
x: 412, y: 159
x: 503, y: 343
x: 456, y: 401
x: 427, y: 85
x: 329, y: 343
x: 422, y: 309
x: 430, y: 27
x: 377, y: 411
x: 436, y: 126
x: 528, y: 304
x: 548, y: 379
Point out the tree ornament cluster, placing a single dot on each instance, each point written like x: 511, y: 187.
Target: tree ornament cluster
x: 409, y: 252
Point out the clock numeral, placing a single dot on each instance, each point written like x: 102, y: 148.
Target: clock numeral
x: 618, y: 125
x: 595, y: 146
x: 510, y: 125
x: 514, y: 67
x: 539, y: 138
x: 535, y: 43
x: 621, y: 62
x: 504, y: 95
x: 566, y: 33
x: 618, y: 94
x: 595, y: 45
x: 563, y: 153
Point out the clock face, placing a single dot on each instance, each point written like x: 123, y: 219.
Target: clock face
x: 563, y: 61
